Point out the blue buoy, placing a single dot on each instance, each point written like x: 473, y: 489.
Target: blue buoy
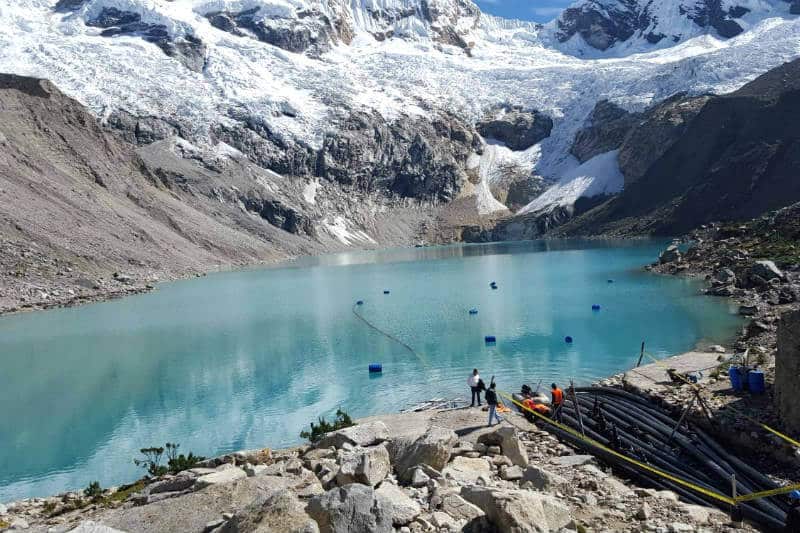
x: 473, y: 311
x: 386, y: 292
x: 490, y: 339
x: 375, y: 368
x: 596, y: 307
x: 360, y: 302
x: 568, y: 339
x: 611, y: 281
x: 755, y: 381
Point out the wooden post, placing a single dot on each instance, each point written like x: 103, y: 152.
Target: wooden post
x: 577, y: 405
x: 641, y: 354
x: 683, y: 416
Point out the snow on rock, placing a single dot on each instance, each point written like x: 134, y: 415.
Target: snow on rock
x: 599, y: 175
x: 339, y: 228
x: 393, y: 57
x: 310, y: 192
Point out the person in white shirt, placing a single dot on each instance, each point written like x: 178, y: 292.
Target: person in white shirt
x: 474, y: 382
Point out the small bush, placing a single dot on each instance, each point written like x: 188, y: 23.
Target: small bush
x: 124, y: 492
x: 175, y: 462
x: 93, y: 491
x: 323, y: 427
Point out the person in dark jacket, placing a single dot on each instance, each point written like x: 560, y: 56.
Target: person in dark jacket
x: 491, y: 401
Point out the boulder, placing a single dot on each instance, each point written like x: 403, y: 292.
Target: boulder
x: 361, y: 435
x: 725, y: 276
x: 432, y: 448
x: 670, y: 255
x: 511, y: 473
x: 519, y: 511
x: 221, y: 477
x: 465, y: 470
x: 517, y: 128
x: 404, y: 509
x: 93, y: 527
x: 172, y: 484
x: 281, y: 512
x: 541, y: 479
x: 459, y: 508
x: 766, y: 270
x: 510, y: 445
x: 353, y: 508
x: 419, y: 478
x: 367, y: 466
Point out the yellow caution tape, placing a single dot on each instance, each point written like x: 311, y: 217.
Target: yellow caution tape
x: 688, y: 484
x: 751, y: 419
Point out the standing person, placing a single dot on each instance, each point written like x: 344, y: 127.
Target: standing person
x: 474, y: 382
x: 491, y: 401
x: 558, y: 401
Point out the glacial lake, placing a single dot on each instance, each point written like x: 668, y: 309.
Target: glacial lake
x: 246, y: 359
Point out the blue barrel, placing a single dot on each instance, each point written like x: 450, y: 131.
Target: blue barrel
x: 385, y: 292
x: 360, y: 302
x: 596, y: 307
x: 735, y: 377
x: 473, y: 311
x: 611, y: 281
x: 490, y: 339
x: 568, y: 339
x: 755, y: 381
x: 375, y: 368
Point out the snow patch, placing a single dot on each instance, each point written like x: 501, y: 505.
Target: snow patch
x: 598, y: 175
x: 338, y: 228
x: 310, y: 192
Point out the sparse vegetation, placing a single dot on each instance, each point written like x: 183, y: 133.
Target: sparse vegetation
x: 322, y: 427
x: 124, y: 492
x: 94, y: 491
x: 175, y: 462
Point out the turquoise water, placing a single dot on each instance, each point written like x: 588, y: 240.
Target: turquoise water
x: 246, y: 359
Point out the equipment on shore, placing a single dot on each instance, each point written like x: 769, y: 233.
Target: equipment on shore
x: 375, y: 368
x: 642, y: 441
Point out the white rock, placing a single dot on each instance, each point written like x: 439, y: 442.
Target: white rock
x: 542, y: 479
x: 19, y: 523
x: 360, y: 435
x: 368, y: 466
x: 511, y: 473
x: 220, y: 478
x: 466, y: 471
x: 93, y: 527
x: 255, y: 470
x: 574, y: 460
x: 679, y: 527
x: 443, y: 520
x: 404, y: 509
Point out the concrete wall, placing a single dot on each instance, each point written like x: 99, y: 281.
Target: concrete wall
x: 787, y: 372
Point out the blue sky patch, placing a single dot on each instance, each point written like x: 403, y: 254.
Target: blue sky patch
x: 538, y: 10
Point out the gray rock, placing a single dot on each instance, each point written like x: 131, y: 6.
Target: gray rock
x: 517, y: 128
x: 465, y: 470
x: 177, y: 483
x: 432, y: 448
x: 541, y: 479
x: 574, y: 460
x: 360, y: 435
x: 644, y: 513
x: 459, y: 508
x: 281, y: 512
x: 670, y: 255
x: 443, y: 521
x: 352, y: 508
x: 221, y: 477
x: 766, y: 270
x: 93, y: 527
x: 519, y: 510
x: 511, y: 473
x: 726, y: 276
x: 506, y: 438
x: 404, y: 509
x: 419, y: 478
x: 255, y: 470
x: 19, y: 523
x: 368, y: 466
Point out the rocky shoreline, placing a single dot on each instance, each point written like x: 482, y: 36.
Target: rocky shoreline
x: 411, y: 472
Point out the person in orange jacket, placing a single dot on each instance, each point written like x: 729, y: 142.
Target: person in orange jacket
x: 558, y: 401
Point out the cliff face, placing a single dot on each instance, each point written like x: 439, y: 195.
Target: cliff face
x: 693, y: 161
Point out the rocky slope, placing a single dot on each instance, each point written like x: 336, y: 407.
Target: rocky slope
x: 409, y: 472
x: 688, y: 161
x: 86, y: 215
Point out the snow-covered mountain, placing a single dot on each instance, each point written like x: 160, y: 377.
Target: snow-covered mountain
x: 392, y: 94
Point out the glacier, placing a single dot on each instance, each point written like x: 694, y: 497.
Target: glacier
x: 398, y: 58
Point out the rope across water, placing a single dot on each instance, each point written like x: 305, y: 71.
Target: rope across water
x: 385, y: 333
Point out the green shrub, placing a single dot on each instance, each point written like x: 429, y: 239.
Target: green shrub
x: 175, y: 462
x: 323, y: 427
x: 93, y: 491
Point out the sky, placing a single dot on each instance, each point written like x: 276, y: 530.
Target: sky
x: 538, y: 10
